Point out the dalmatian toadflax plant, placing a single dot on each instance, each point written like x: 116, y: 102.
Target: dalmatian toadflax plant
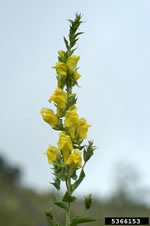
x: 71, y: 154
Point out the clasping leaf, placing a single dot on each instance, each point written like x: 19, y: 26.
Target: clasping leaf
x: 61, y: 204
x: 68, y: 198
x: 76, y: 184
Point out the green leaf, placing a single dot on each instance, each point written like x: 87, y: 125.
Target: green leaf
x: 73, y: 174
x: 88, y: 151
x: 61, y: 204
x: 78, y: 220
x: 71, y: 101
x: 60, y: 169
x: 79, y: 33
x: 81, y: 147
x: 56, y: 183
x: 77, y: 183
x: 72, y: 51
x: 68, y: 198
x: 87, y: 155
x: 66, y: 43
x: 59, y: 125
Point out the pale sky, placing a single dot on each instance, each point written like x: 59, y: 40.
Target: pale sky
x: 114, y: 94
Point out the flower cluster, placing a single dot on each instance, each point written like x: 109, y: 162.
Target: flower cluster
x: 74, y: 129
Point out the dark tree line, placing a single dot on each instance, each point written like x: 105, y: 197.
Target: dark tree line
x: 9, y: 173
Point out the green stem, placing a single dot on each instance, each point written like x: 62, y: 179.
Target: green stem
x: 68, y: 215
x: 59, y: 195
x: 68, y: 184
x: 56, y: 221
x: 83, y: 212
x: 68, y: 181
x: 84, y: 165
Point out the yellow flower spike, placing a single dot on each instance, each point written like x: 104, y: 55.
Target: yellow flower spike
x: 52, y: 154
x: 72, y: 63
x: 75, y: 160
x: 59, y: 97
x: 65, y: 145
x: 49, y: 116
x: 67, y: 157
x: 83, y: 128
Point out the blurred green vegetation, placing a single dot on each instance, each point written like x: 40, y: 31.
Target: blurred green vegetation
x: 24, y: 207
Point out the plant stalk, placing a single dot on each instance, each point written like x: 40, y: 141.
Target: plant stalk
x: 68, y: 183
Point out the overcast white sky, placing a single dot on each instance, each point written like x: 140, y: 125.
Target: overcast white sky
x: 114, y: 94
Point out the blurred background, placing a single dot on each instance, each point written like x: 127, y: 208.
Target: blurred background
x: 113, y: 97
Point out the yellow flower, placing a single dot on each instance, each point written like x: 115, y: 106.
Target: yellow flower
x: 49, y: 116
x: 52, y: 153
x: 72, y: 63
x: 61, y: 68
x: 72, y: 108
x: 71, y: 120
x: 61, y: 81
x: 61, y: 54
x: 76, y: 75
x: 83, y: 128
x: 65, y: 145
x: 59, y: 97
x: 75, y: 160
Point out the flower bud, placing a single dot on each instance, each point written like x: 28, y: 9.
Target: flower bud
x: 88, y: 201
